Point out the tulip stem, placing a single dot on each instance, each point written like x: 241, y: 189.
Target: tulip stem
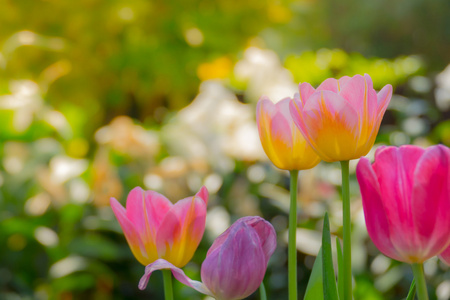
x: 347, y: 231
x: 262, y: 292
x: 292, y: 244
x: 168, y: 290
x: 421, y: 286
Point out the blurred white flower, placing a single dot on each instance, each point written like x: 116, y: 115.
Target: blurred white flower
x: 63, y: 168
x: 264, y: 74
x: 215, y: 126
x: 124, y: 136
x: 24, y: 100
x: 442, y: 91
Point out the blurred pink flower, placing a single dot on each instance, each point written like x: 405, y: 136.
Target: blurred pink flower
x: 282, y: 141
x: 156, y: 228
x: 406, y: 200
x: 235, y: 264
x: 340, y: 119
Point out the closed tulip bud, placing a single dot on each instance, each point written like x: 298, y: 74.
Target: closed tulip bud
x: 340, y: 119
x: 155, y: 228
x: 406, y: 200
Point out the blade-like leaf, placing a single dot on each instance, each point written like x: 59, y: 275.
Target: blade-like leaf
x: 412, y: 290
x: 329, y: 279
x: 314, y: 290
x: 340, y: 258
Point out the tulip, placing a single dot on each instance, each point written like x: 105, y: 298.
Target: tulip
x: 155, y: 228
x: 288, y: 150
x: 406, y: 200
x: 280, y: 138
x: 235, y: 264
x: 445, y: 256
x: 340, y: 119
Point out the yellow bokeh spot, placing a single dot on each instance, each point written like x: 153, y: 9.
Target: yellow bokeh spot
x: 78, y: 147
x: 217, y: 69
x: 194, y: 37
x: 278, y: 13
x: 16, y: 242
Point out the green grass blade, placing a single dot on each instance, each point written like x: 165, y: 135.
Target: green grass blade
x: 329, y: 279
x: 314, y: 290
x: 412, y: 290
x: 340, y: 258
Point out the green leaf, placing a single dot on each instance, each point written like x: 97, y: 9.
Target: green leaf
x: 329, y: 279
x: 412, y: 290
x: 314, y: 290
x: 340, y: 258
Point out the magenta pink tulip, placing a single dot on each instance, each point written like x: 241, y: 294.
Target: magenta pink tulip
x: 406, y: 200
x: 235, y: 264
x: 340, y: 119
x: 156, y: 228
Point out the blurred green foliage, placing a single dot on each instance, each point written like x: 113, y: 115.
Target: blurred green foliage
x: 97, y: 97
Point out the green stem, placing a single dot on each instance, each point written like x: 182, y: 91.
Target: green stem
x: 421, y: 285
x: 262, y: 291
x: 347, y: 231
x: 292, y: 245
x: 168, y: 290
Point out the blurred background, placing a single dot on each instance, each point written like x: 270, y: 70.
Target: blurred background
x: 97, y: 97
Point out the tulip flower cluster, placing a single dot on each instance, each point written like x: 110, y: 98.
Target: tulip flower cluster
x: 165, y: 236
x: 405, y: 196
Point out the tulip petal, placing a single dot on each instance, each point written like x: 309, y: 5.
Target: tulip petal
x: 140, y: 211
x: 272, y: 131
x: 266, y: 234
x: 162, y: 264
x: 329, y: 84
x: 305, y: 91
x: 264, y: 229
x: 342, y: 82
x: 430, y: 203
x: 131, y: 234
x: 329, y: 124
x: 395, y: 173
x: 135, y: 211
x: 377, y: 223
x: 156, y: 206
x: 359, y: 92
x: 203, y: 194
x: 236, y: 269
x: 291, y: 147
x: 355, y: 92
x: 383, y: 98
x: 181, y: 230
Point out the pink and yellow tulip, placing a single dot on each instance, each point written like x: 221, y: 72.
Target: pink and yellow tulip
x: 155, y: 228
x: 280, y: 138
x: 340, y: 119
x: 406, y: 200
x: 235, y: 264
